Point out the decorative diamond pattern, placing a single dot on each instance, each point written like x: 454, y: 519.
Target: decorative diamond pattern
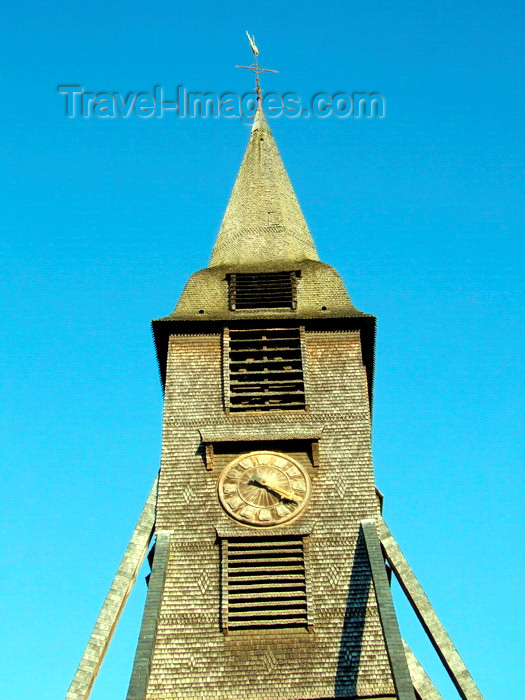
x: 269, y: 659
x: 334, y: 575
x: 187, y: 493
x: 350, y: 658
x: 204, y: 581
x: 341, y: 488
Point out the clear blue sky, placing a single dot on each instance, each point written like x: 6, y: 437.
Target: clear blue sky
x: 105, y: 219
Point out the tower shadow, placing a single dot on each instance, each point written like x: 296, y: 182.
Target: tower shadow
x: 354, y: 622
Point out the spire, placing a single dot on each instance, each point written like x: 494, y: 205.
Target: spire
x: 263, y: 221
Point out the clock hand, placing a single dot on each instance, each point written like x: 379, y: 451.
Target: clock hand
x: 288, y: 495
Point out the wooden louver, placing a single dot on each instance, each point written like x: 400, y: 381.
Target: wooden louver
x: 265, y: 583
x: 268, y: 290
x: 266, y: 370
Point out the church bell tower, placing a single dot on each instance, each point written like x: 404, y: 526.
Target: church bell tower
x: 268, y: 576
x: 266, y: 469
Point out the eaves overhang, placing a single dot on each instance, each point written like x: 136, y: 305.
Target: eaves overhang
x: 163, y: 328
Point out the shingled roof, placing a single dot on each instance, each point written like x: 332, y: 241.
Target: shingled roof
x: 263, y: 221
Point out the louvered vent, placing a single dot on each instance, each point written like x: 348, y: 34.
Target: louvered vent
x: 266, y: 583
x: 266, y: 370
x: 271, y: 290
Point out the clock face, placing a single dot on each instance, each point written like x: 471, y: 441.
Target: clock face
x: 264, y: 488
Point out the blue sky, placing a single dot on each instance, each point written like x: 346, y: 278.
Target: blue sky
x: 105, y: 219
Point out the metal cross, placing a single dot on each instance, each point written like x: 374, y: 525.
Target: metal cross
x: 255, y: 67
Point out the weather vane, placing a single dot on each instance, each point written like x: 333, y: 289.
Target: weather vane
x: 255, y: 67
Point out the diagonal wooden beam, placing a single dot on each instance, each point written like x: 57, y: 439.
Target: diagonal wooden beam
x: 138, y: 685
x: 437, y: 634
x: 423, y: 686
x: 387, y: 615
x: 116, y: 598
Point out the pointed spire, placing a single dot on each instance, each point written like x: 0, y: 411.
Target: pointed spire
x: 263, y: 222
x: 259, y: 121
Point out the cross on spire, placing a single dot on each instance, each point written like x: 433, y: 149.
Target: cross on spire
x: 255, y: 67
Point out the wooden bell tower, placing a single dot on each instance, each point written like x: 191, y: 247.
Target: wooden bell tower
x: 268, y: 576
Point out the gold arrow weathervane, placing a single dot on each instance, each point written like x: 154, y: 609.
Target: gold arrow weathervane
x: 255, y: 67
